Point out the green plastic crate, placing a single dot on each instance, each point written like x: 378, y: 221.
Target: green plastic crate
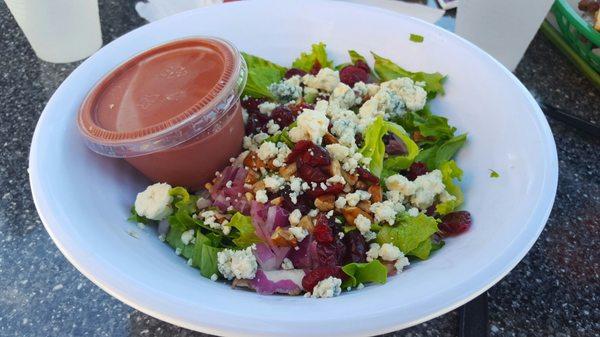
x: 578, y: 33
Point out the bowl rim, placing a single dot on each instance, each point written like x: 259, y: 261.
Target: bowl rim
x: 541, y: 211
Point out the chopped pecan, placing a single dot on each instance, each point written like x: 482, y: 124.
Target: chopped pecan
x: 328, y: 138
x: 259, y: 185
x: 361, y: 185
x: 335, y: 169
x: 277, y: 201
x: 351, y: 179
x: 249, y: 196
x: 252, y: 177
x: 365, y: 205
x: 376, y: 194
x: 350, y: 214
x: 325, y: 203
x: 283, y: 238
x: 253, y: 161
x: 289, y: 170
x: 306, y: 223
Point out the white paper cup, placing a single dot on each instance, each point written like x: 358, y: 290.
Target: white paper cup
x: 503, y: 28
x: 59, y: 31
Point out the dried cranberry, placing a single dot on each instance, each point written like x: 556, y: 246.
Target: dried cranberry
x: 251, y: 104
x: 315, y: 68
x: 298, y: 150
x: 312, y: 174
x: 352, y: 74
x: 455, y: 223
x: 334, y: 189
x: 356, y: 247
x: 431, y: 210
x: 358, y: 139
x: 394, y: 146
x: 415, y: 170
x: 282, y: 116
x: 293, y: 72
x: 297, y: 108
x: 316, y: 156
x: 322, y: 233
x: 313, y: 277
x: 256, y: 123
x: 362, y: 65
x: 366, y: 175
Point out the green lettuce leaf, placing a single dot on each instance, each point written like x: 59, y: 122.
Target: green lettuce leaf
x: 134, y: 217
x: 388, y: 70
x: 247, y: 233
x: 355, y: 56
x: 393, y: 164
x: 450, y: 171
x: 317, y: 54
x: 373, y: 271
x: 416, y: 38
x: 409, y: 233
x: 374, y: 148
x: 283, y: 136
x: 441, y: 152
x: 261, y: 74
x: 204, y: 255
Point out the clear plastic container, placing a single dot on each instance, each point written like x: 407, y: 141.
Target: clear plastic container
x: 173, y: 112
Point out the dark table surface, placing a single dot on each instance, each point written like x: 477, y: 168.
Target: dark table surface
x: 554, y: 291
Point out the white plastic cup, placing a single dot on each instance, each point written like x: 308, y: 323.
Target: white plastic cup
x: 59, y: 31
x: 503, y: 28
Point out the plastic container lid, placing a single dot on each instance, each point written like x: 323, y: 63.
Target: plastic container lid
x: 162, y: 97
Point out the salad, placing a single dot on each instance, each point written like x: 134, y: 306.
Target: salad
x: 346, y: 177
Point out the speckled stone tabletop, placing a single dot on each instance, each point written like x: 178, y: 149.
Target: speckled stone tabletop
x: 554, y: 291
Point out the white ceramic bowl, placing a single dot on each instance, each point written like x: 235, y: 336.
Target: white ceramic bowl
x: 83, y: 199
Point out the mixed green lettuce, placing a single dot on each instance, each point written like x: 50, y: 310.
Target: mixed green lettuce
x: 388, y: 70
x: 318, y: 53
x: 261, y: 74
x: 373, y: 271
x: 374, y: 148
x: 411, y: 234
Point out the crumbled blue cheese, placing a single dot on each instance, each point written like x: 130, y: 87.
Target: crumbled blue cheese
x: 267, y: 150
x: 299, y: 233
x: 338, y: 151
x: 187, y: 236
x: 214, y: 277
x: 295, y: 217
x: 337, y: 179
x: 267, y: 107
x: 340, y: 202
x: 272, y: 127
x: 401, y: 262
x: 389, y: 252
x: 239, y: 264
x: 274, y: 182
x: 373, y: 252
x: 360, y: 89
x: 326, y: 80
x: 287, y: 90
x: 328, y: 287
x: 287, y: 264
x: 384, y: 211
x: 385, y: 103
x: 427, y: 187
x: 282, y: 152
x: 362, y: 223
x: 311, y: 125
x: 413, y: 96
x: 261, y: 196
x: 154, y: 202
x: 343, y: 96
x: 352, y: 199
x: 252, y: 143
x: 413, y: 211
